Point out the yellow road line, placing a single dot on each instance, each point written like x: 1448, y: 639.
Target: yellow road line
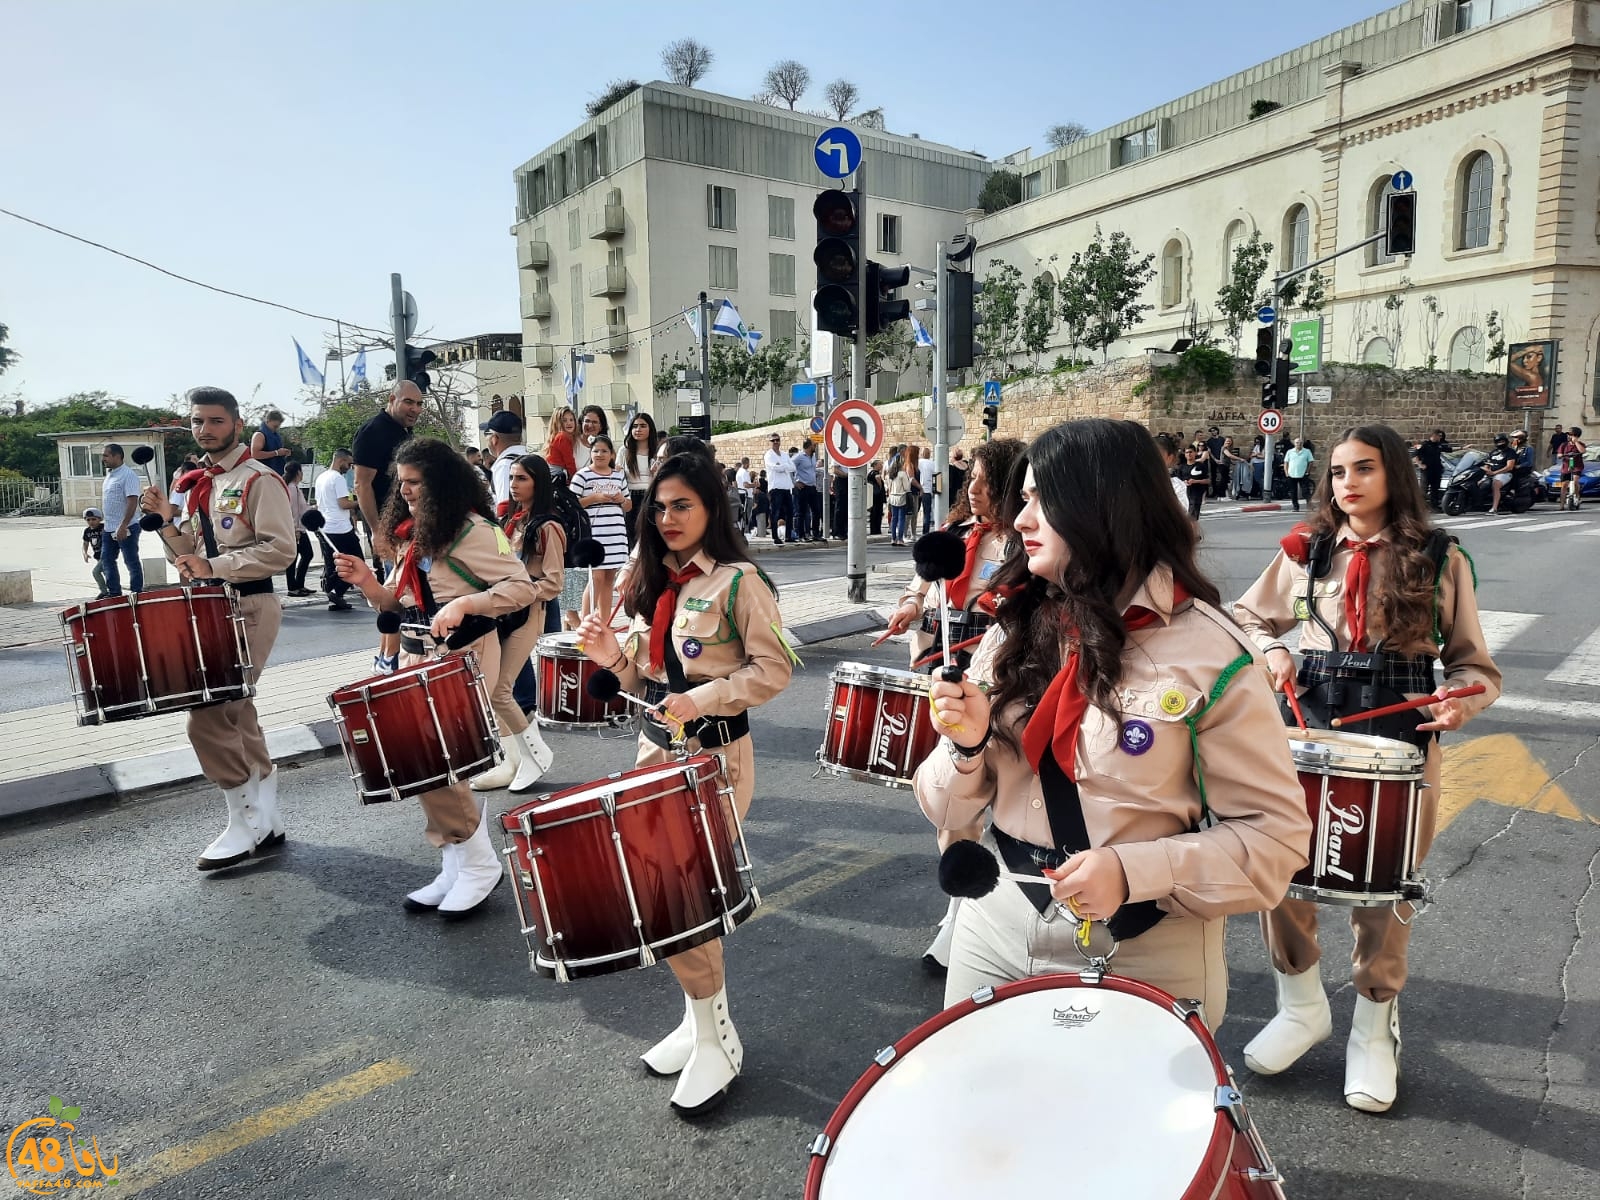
x: 855, y: 863
x: 180, y: 1159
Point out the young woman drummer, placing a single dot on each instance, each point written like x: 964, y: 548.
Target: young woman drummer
x: 453, y: 562
x: 1383, y: 580
x: 705, y: 639
x: 985, y: 535
x: 1119, y: 732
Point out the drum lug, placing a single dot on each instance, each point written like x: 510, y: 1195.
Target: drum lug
x: 1187, y: 1008
x: 820, y: 1145
x: 1418, y: 891
x: 885, y: 1056
x: 1094, y: 973
x: 1230, y: 1100
x: 983, y: 995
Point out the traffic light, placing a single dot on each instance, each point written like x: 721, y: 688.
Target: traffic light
x: 883, y: 310
x: 1266, y: 350
x: 1400, y: 224
x: 838, y: 257
x: 991, y: 416
x: 1275, y: 388
x: 956, y: 307
x: 417, y: 363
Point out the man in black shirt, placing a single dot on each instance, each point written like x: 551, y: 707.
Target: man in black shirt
x: 1430, y: 454
x: 374, y: 447
x: 1218, y: 464
x: 958, y: 477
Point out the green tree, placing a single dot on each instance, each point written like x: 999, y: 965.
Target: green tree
x: 998, y: 317
x: 334, y: 427
x: 7, y: 356
x: 24, y: 451
x: 1240, y: 297
x: 614, y: 91
x: 1112, y: 277
x: 1038, y: 315
x: 1000, y: 190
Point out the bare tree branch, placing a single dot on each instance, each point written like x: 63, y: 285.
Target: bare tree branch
x: 686, y: 61
x: 841, y: 96
x: 1065, y: 134
x: 786, y: 81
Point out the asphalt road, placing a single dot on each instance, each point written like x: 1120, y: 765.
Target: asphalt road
x: 289, y: 1031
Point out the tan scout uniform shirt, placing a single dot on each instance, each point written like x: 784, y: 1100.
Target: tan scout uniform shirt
x: 547, y: 568
x: 484, y: 554
x: 251, y: 522
x: 1144, y: 802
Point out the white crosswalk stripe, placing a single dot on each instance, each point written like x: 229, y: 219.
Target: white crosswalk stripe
x: 1582, y: 666
x: 1500, y: 629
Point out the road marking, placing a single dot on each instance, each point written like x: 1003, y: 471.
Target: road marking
x: 1500, y: 629
x: 855, y: 862
x: 1482, y: 523
x: 1557, y: 524
x: 1574, y: 711
x: 1500, y: 769
x: 1595, y: 532
x: 1582, y: 665
x: 169, y: 1164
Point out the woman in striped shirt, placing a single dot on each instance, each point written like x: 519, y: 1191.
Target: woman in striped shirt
x: 602, y: 490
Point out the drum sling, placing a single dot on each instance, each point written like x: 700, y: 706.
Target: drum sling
x: 711, y: 731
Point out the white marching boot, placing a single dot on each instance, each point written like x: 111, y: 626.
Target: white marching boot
x: 426, y: 899
x: 1372, y: 1056
x: 238, y: 841
x: 535, y: 758
x: 671, y: 1054
x: 714, y: 1061
x: 478, y: 869
x: 496, y: 778
x: 264, y: 799
x: 936, y: 958
x: 1303, y: 1021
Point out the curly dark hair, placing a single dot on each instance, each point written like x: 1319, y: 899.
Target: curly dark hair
x: 452, y: 490
x: 1102, y: 487
x: 999, y: 458
x: 1400, y: 604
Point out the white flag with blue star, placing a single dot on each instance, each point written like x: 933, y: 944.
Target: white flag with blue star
x: 728, y: 321
x: 692, y: 315
x: 308, y: 372
x: 358, y: 372
x: 919, y: 332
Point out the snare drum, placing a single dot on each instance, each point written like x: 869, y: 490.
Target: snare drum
x: 421, y: 728
x: 564, y: 701
x: 878, y: 727
x: 161, y: 651
x: 1361, y: 793
x: 1129, y: 1076
x: 641, y: 865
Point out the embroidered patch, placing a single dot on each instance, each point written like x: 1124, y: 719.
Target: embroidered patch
x: 695, y: 604
x: 229, y: 503
x: 691, y: 648
x: 1137, y: 737
x: 1173, y: 702
x: 226, y: 522
x: 1302, y: 611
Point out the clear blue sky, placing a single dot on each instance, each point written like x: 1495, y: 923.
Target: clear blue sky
x: 301, y: 151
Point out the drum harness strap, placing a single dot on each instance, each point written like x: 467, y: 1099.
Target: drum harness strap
x: 208, y: 537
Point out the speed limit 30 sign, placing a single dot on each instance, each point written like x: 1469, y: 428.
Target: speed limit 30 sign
x: 1270, y: 420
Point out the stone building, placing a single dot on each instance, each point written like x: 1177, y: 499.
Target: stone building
x: 1483, y: 102
x: 478, y: 376
x: 672, y: 191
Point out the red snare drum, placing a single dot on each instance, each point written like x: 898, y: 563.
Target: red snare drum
x: 564, y: 700
x: 878, y: 726
x: 1133, y: 1080
x: 1361, y: 793
x: 161, y: 651
x: 421, y: 728
x: 641, y: 865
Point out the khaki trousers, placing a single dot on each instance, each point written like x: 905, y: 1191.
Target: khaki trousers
x: 699, y: 971
x: 514, y: 651
x: 227, y: 738
x: 1002, y: 937
x: 453, y: 812
x: 1379, y: 957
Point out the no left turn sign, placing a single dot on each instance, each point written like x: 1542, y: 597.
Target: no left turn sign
x: 854, y: 433
x: 1270, y: 420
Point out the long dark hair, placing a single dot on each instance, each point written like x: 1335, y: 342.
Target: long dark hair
x: 653, y: 442
x: 1102, y: 487
x: 1400, y: 604
x: 723, y: 541
x: 452, y: 490
x: 541, y: 506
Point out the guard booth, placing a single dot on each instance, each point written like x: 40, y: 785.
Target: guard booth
x: 83, y: 476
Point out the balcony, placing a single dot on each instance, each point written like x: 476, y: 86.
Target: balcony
x: 609, y: 222
x: 610, y: 339
x: 609, y: 280
x: 540, y: 354
x: 614, y: 397
x: 537, y: 306
x: 545, y: 403
x: 534, y: 256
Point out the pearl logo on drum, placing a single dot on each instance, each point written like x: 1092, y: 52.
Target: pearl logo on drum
x: 566, y: 690
x: 1350, y: 822
x: 894, y: 726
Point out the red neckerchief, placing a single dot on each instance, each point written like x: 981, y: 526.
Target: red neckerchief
x: 1357, y: 576
x: 992, y: 599
x: 956, y: 589
x: 407, y: 574
x: 197, y: 484
x: 1054, y: 723
x: 1297, y: 544
x: 666, y: 605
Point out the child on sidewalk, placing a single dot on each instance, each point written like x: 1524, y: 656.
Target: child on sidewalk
x: 94, y: 529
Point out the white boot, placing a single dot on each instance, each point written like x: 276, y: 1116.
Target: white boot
x: 936, y: 958
x: 1372, y: 1056
x: 426, y: 899
x: 715, y: 1060
x: 477, y: 871
x: 264, y: 802
x: 535, y: 758
x: 498, y: 777
x: 238, y: 841
x: 1303, y: 1020
x: 671, y: 1054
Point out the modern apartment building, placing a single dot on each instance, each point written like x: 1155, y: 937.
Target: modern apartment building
x: 1483, y: 102
x: 672, y: 191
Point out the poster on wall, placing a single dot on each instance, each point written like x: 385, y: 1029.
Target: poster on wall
x: 1531, y: 374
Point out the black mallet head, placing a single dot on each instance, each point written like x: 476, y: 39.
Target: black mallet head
x: 151, y: 522
x: 603, y: 685
x: 388, y: 622
x: 143, y: 454
x: 587, y: 552
x: 967, y: 869
x: 313, y: 520
x: 939, y: 555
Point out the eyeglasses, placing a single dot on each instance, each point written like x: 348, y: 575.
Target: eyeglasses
x: 678, y: 508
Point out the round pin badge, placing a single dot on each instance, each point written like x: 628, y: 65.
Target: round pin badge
x: 691, y: 648
x: 1173, y: 702
x: 227, y: 522
x: 1137, y: 737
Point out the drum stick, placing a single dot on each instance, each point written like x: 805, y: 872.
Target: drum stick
x: 934, y: 654
x: 1294, y: 706
x: 1476, y: 689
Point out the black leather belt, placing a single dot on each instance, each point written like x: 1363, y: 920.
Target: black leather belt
x: 710, y: 731
x: 1023, y: 858
x: 254, y: 587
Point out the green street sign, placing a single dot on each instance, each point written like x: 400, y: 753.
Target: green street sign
x: 1305, y: 345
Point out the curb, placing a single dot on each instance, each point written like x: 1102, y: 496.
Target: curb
x: 1255, y: 508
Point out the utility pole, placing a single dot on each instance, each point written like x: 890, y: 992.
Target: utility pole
x: 397, y: 323
x: 941, y: 441
x: 705, y: 362
x: 856, y: 498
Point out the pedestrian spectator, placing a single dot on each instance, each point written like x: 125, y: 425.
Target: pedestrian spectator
x: 1238, y: 470
x: 560, y: 446
x: 295, y: 574
x: 780, y: 490
x: 1430, y: 454
x: 910, y: 462
x: 504, y: 432
x: 807, y: 505
x: 1167, y: 444
x: 94, y: 531
x: 1570, y: 460
x: 266, y: 443
x: 639, y: 464
x: 1217, y: 462
x: 839, y: 487
x: 602, y: 491
x: 376, y: 442
x: 337, y: 507
x: 475, y: 457
x: 1258, y: 466
x: 119, y: 496
x: 899, y: 503
x: 592, y: 424
x: 1297, y: 466
x: 747, y: 495
x: 928, y: 484
x: 958, y: 476
x: 1197, y: 477
x: 878, y: 500
x: 762, y: 508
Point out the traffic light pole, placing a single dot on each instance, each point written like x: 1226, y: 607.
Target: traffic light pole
x: 705, y: 362
x: 941, y: 402
x: 856, y: 495
x: 397, y: 326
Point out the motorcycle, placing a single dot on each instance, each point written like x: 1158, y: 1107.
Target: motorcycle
x: 1471, y: 488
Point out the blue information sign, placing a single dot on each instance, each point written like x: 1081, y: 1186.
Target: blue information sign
x: 1267, y: 314
x: 1401, y: 181
x: 991, y: 391
x: 802, y: 394
x: 838, y: 152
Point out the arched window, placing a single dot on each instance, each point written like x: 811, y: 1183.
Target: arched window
x: 1297, y: 237
x: 1172, y: 274
x: 1466, y: 349
x: 1235, y: 237
x: 1375, y: 218
x: 1378, y: 352
x: 1477, y: 192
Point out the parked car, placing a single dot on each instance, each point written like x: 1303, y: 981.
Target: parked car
x: 1591, y: 476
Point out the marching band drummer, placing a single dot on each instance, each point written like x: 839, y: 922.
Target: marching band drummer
x: 453, y: 562
x: 706, y: 641
x: 985, y: 534
x: 1385, y: 579
x: 1123, y: 741
x: 240, y: 531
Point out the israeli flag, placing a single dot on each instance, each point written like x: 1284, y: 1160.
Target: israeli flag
x: 577, y: 384
x: 729, y: 322
x: 566, y: 381
x: 919, y: 332
x: 358, y: 372
x: 692, y: 315
x: 831, y: 396
x: 308, y: 372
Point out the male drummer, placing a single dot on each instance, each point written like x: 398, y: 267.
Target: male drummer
x: 238, y: 531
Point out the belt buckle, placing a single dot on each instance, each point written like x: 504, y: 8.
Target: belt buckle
x: 723, y: 733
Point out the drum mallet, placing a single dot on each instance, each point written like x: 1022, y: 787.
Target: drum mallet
x: 314, y: 521
x: 604, y: 685
x: 472, y: 628
x: 940, y: 556
x: 967, y: 869
x: 1389, y: 710
x: 144, y: 455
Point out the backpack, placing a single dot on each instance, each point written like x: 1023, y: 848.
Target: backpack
x: 574, y: 520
